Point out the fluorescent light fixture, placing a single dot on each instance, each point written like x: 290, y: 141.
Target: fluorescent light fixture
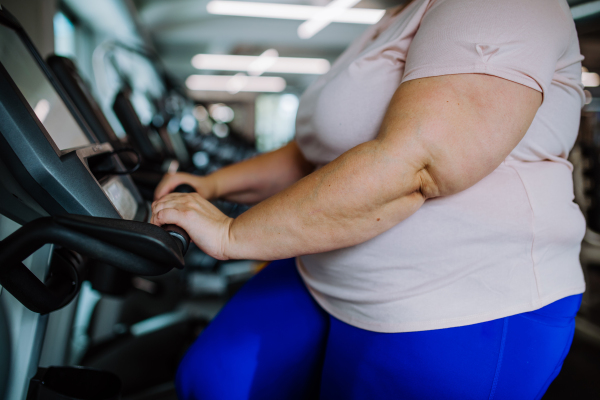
x: 585, y: 10
x: 590, y: 79
x: 236, y: 83
x: 265, y: 61
x: 324, y: 17
x: 281, y: 65
x: 291, y: 11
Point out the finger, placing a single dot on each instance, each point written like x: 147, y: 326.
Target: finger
x: 173, y: 216
x: 180, y: 217
x: 163, y: 187
x: 156, y: 220
x: 167, y: 184
x: 171, y: 199
x: 181, y: 201
x: 192, y: 199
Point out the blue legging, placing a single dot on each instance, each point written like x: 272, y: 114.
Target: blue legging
x: 272, y: 341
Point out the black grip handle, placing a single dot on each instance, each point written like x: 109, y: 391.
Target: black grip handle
x: 184, y: 188
x: 136, y: 247
x: 180, y: 235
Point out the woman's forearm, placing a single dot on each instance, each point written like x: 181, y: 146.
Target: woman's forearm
x: 258, y: 178
x: 354, y: 198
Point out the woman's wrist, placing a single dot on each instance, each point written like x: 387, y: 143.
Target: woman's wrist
x: 207, y: 187
x: 229, y: 244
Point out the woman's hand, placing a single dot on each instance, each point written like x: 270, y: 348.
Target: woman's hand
x: 204, y: 185
x: 207, y: 226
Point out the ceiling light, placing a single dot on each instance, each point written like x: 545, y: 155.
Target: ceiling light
x: 237, y: 83
x: 225, y: 83
x: 265, y: 61
x: 590, y: 79
x: 285, y: 65
x: 324, y: 17
x: 221, y: 113
x: 291, y: 11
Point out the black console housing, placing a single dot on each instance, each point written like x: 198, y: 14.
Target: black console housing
x: 38, y: 177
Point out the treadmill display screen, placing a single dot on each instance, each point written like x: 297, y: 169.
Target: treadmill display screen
x: 121, y: 198
x: 39, y: 92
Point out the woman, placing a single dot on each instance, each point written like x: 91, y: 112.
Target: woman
x: 428, y: 202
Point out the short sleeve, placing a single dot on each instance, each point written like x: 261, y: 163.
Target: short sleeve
x: 518, y: 40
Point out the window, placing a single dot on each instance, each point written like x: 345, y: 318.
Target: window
x: 275, y: 120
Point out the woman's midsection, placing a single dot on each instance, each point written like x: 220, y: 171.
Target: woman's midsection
x: 487, y: 233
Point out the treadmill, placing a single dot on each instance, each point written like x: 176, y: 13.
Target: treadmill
x: 169, y: 106
x: 152, y: 170
x: 82, y: 216
x: 145, y: 143
x: 162, y: 152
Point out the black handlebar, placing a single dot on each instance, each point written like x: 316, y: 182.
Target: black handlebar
x: 175, y: 231
x: 180, y: 235
x: 140, y: 248
x: 137, y: 132
x: 184, y: 188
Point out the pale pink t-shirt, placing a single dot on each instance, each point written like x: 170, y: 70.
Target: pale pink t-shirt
x: 507, y: 245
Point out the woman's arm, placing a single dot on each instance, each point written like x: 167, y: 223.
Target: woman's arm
x: 246, y: 182
x: 440, y: 136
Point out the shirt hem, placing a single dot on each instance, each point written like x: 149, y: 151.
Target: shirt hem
x: 440, y: 323
x: 444, y: 323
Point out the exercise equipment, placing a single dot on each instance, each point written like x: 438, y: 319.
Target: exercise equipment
x: 82, y: 219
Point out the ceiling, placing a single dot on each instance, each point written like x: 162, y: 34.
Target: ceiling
x: 179, y: 29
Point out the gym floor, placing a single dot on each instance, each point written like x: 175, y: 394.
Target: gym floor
x: 580, y: 376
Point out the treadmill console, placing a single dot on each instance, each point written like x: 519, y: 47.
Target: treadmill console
x: 39, y: 92
x: 46, y: 147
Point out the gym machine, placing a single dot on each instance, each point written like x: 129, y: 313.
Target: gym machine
x: 82, y: 219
